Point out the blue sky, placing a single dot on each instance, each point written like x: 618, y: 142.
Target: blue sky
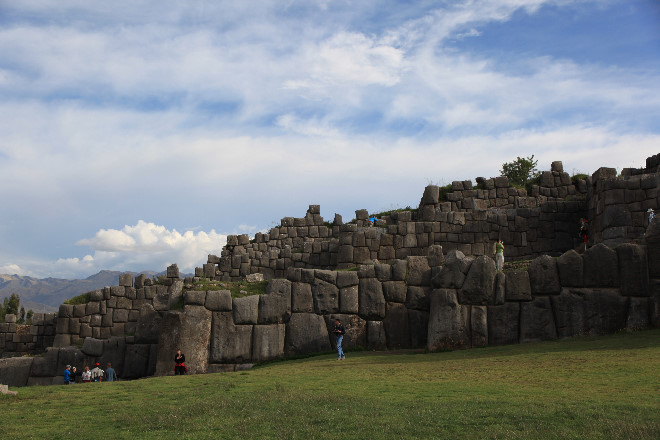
x: 138, y: 134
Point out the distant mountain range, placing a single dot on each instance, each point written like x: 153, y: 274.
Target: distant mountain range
x: 46, y: 295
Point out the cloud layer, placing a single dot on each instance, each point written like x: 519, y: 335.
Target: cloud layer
x: 229, y: 116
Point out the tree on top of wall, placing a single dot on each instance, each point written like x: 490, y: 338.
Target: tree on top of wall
x: 521, y: 172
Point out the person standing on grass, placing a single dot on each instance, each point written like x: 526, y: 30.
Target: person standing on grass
x: 97, y: 373
x: 499, y: 255
x: 339, y: 332
x: 67, y: 375
x: 180, y: 363
x: 110, y: 374
x: 86, y: 375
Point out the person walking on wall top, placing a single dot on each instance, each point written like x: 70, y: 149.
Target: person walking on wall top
x: 180, y: 363
x: 339, y: 332
x: 499, y: 255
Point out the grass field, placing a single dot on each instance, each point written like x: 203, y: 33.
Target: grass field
x: 582, y: 388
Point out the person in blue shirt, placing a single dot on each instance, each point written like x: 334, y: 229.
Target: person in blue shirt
x: 67, y: 375
x: 110, y: 374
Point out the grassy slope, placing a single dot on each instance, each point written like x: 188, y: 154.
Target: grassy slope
x: 605, y: 387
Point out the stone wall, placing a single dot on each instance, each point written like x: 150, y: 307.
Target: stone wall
x: 18, y: 339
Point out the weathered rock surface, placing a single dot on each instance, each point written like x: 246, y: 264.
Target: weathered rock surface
x: 306, y: 333
x: 448, y: 321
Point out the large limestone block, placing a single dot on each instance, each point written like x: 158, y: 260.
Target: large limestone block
x: 570, y: 267
x: 46, y: 364
x: 66, y: 311
x: 301, y: 298
x: 479, y: 285
x: 419, y: 271
x: 654, y: 305
x: 652, y: 237
x: 536, y: 320
x: 92, y: 347
x: 189, y: 331
x: 376, y: 339
x: 246, y: 309
x: 544, y: 276
x: 396, y: 326
x: 347, y: 278
x: 503, y: 323
x: 356, y: 330
x: 194, y: 297
x: 601, y: 267
x: 479, y: 325
x: 417, y: 297
x: 113, y: 351
x: 638, y: 314
x: 267, y: 342
x: 447, y: 278
x: 148, y: 325
x: 15, y: 371
x: 383, y: 272
x: 456, y: 260
x: 418, y: 323
x: 136, y: 361
x: 275, y: 307
x: 395, y: 291
x: 230, y: 343
x: 306, y: 333
x: 348, y: 300
x: 329, y: 276
x: 399, y: 270
x: 518, y: 287
x: 633, y: 270
x: 448, y: 321
x: 589, y: 311
x: 371, y: 299
x: 74, y: 357
x: 218, y: 300
x: 326, y: 297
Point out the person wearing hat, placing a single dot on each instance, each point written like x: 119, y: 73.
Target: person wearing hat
x: 67, y: 375
x: 97, y: 373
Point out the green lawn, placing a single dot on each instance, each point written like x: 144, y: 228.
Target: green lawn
x: 583, y: 388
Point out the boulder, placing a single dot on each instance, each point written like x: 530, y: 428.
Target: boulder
x: 479, y: 325
x: 479, y: 285
x: 74, y: 357
x: 301, y: 298
x: 396, y: 326
x: 383, y: 272
x: 399, y: 270
x: 218, y: 300
x: 275, y: 307
x: 419, y: 271
x: 376, y: 339
x: 633, y: 270
x: 448, y: 278
x: 113, y: 351
x: 435, y: 256
x: 306, y: 333
x: 329, y: 276
x: 246, y: 309
x: 544, y: 276
x: 136, y: 361
x: 395, y: 291
x: 148, y: 325
x: 417, y: 297
x: 230, y: 343
x: 517, y: 286
x: 189, y: 331
x: 92, y: 347
x: 46, y: 364
x: 503, y: 323
x: 536, y: 320
x: 418, y: 323
x: 638, y: 314
x: 570, y: 268
x: 456, y: 260
x: 371, y: 305
x: 15, y: 372
x: 326, y: 297
x: 601, y: 267
x: 348, y: 300
x: 448, y: 321
x: 589, y: 311
x: 267, y: 342
x: 347, y: 278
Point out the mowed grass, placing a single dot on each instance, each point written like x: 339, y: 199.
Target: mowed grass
x: 582, y: 388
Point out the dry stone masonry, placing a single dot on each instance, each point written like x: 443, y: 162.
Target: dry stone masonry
x: 423, y: 278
